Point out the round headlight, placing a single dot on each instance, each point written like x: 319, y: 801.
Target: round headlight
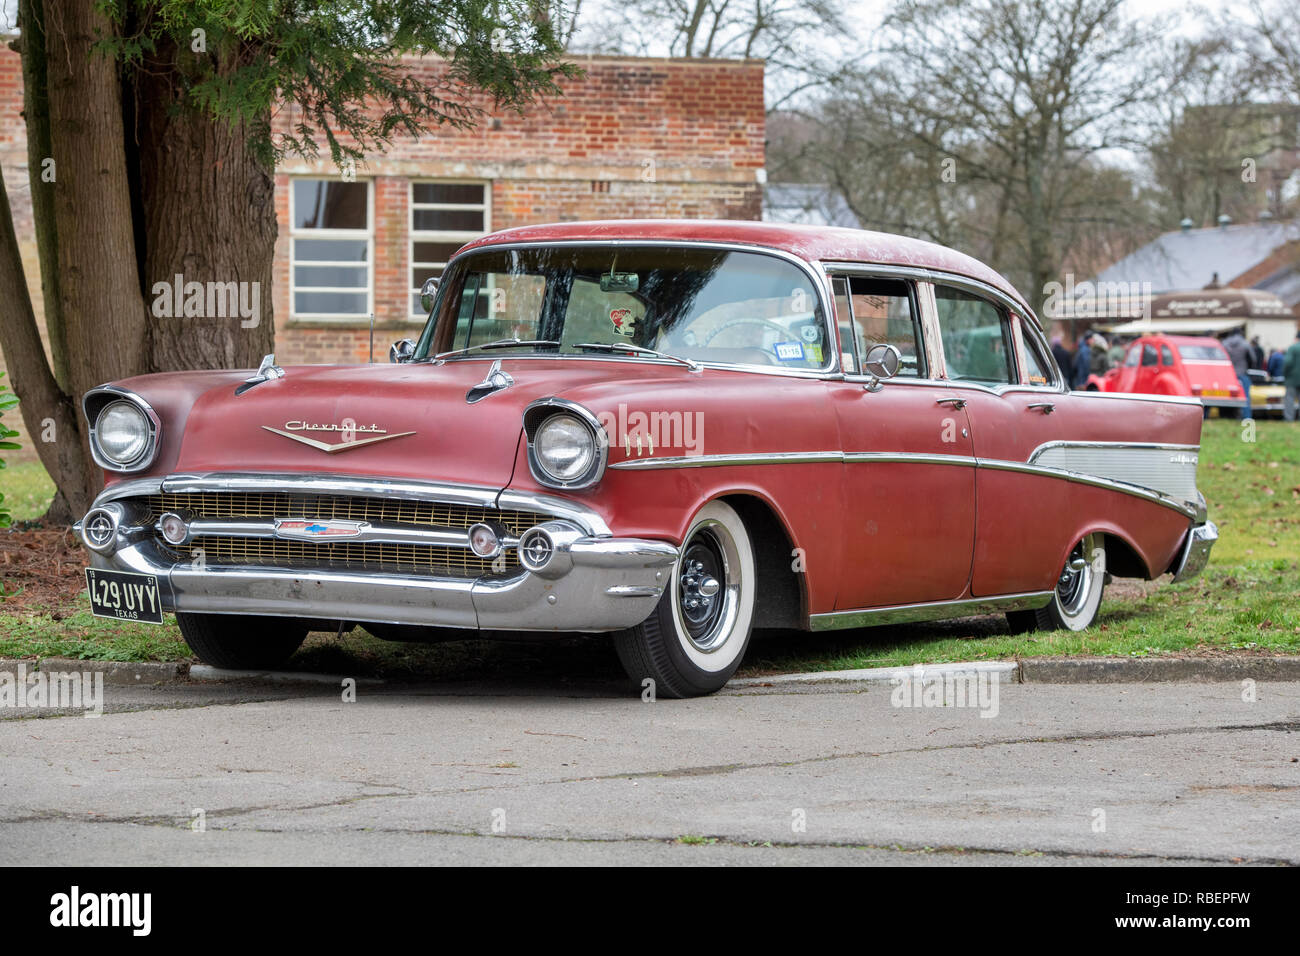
x: 565, y: 447
x: 122, y: 430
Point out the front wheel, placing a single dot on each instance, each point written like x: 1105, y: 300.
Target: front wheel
x: 696, y: 636
x: 1077, y: 597
x: 240, y: 642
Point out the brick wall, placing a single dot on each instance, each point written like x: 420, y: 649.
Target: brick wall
x: 632, y: 138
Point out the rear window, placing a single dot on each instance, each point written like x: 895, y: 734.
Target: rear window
x: 1203, y: 353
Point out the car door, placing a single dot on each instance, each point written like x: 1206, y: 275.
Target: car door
x: 997, y: 364
x: 908, y: 520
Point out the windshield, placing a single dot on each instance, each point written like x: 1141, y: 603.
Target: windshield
x: 707, y: 305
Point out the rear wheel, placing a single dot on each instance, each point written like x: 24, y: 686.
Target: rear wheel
x: 239, y: 642
x: 696, y: 637
x: 1077, y: 597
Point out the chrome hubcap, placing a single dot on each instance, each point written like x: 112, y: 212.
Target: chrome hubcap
x: 701, y: 595
x: 1075, y: 583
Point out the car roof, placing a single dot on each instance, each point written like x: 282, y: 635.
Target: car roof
x: 812, y: 243
x: 1185, y: 339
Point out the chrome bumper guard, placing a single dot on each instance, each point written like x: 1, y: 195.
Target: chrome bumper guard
x: 1195, y: 553
x: 578, y: 578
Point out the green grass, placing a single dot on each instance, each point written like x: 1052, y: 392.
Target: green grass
x: 77, y: 633
x: 28, y: 490
x: 1246, y: 602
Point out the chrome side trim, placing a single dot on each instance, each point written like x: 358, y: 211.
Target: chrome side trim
x: 1167, y: 469
x: 824, y: 457
x: 719, y: 461
x: 1137, y: 491
x: 929, y: 611
x: 1140, y: 397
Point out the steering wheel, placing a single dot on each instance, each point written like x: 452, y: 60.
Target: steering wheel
x: 734, y: 322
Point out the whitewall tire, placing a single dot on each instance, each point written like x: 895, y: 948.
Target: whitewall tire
x: 696, y: 636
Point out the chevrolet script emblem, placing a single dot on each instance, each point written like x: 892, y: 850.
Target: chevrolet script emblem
x: 365, y: 435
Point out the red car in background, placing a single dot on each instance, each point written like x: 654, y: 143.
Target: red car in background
x: 1196, y: 366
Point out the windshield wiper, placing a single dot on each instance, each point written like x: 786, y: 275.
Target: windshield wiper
x: 498, y: 344
x: 636, y: 350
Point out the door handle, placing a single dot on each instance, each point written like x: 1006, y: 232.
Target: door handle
x: 954, y: 402
x: 1046, y: 407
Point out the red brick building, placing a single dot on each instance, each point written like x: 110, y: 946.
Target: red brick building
x: 631, y: 138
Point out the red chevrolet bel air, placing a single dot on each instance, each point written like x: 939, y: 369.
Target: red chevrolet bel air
x: 674, y: 432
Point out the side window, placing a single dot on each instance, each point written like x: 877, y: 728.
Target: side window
x: 1166, y: 355
x: 1148, y: 355
x: 1131, y: 359
x: 976, y: 338
x: 883, y: 311
x: 1037, y: 366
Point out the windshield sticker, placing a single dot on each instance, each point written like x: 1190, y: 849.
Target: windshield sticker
x: 789, y: 351
x: 814, y: 353
x: 622, y: 321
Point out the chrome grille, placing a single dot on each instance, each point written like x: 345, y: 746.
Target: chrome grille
x: 347, y: 555
x: 254, y: 504
x: 390, y: 557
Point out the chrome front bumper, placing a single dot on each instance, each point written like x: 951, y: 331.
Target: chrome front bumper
x: 592, y: 581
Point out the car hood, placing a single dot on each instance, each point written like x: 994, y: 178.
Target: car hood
x: 405, y: 421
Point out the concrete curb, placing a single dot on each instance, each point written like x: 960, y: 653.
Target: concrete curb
x: 115, y: 672
x: 1142, y: 670
x: 1005, y: 671
x: 205, y: 672
x: 1051, y: 670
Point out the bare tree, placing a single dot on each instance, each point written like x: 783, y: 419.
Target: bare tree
x: 984, y: 124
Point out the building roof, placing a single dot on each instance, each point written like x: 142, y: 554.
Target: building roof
x: 813, y: 243
x: 1191, y: 259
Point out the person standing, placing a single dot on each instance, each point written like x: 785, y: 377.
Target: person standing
x: 1291, y: 378
x: 1082, y: 364
x: 1238, y: 350
x: 1257, y: 354
x: 1275, y: 361
x: 1064, y: 360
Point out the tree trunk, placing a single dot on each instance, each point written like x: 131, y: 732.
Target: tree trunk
x: 208, y: 211
x: 36, y: 113
x: 99, y: 292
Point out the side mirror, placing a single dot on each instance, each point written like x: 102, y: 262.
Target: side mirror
x: 882, y: 361
x: 401, y: 351
x: 427, y: 292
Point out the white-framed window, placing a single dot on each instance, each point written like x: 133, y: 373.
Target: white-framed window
x: 331, y: 225
x: 444, y: 216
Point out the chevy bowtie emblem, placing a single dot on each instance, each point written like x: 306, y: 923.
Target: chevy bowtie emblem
x: 371, y: 433
x: 307, y: 530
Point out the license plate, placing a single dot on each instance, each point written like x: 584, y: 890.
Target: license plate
x: 1216, y: 392
x: 124, y: 595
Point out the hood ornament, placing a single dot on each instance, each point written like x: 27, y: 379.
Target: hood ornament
x: 265, y: 372
x: 495, y: 381
x: 372, y: 433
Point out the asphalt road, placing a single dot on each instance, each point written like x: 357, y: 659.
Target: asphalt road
x: 1063, y: 774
